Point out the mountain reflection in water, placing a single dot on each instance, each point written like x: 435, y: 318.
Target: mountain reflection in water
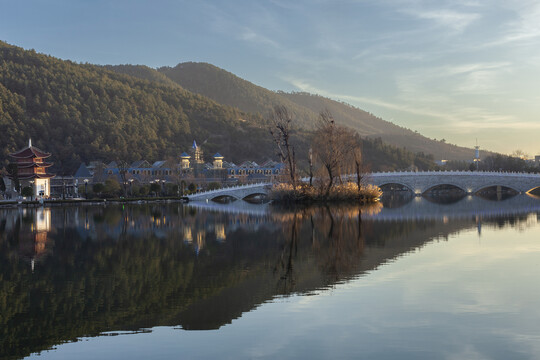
x: 81, y: 271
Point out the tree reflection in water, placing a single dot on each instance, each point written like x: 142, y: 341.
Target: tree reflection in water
x: 73, y: 272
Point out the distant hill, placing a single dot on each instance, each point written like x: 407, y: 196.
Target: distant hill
x: 143, y: 72
x: 227, y: 88
x: 84, y: 112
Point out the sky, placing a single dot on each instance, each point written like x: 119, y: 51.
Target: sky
x: 459, y: 70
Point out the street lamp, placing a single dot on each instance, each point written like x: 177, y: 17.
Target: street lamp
x: 86, y: 189
x: 131, y: 187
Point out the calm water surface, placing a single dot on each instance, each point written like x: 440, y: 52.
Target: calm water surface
x: 411, y: 280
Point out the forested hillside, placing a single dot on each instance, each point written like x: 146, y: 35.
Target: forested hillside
x: 229, y: 89
x: 83, y: 112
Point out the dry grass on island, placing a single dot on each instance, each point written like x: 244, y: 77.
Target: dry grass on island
x: 347, y: 192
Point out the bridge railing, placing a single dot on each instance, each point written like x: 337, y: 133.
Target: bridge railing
x: 229, y: 188
x: 452, y: 172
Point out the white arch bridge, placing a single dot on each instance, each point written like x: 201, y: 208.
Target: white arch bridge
x: 238, y: 192
x: 470, y: 182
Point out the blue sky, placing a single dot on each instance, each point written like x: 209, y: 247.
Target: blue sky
x: 458, y: 70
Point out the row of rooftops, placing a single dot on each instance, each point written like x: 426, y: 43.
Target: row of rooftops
x: 143, y: 164
x: 31, y: 156
x: 163, y: 168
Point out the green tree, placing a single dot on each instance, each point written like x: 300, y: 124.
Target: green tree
x: 98, y: 188
x: 155, y: 188
x: 112, y: 187
x: 27, y: 191
x: 143, y: 190
x: 2, y: 184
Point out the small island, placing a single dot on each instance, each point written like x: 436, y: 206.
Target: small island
x: 336, y: 170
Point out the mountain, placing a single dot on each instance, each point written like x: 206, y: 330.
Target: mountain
x: 228, y: 89
x: 83, y: 112
x: 143, y: 72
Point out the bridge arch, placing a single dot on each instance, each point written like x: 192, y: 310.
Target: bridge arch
x: 224, y: 197
x: 534, y: 191
x: 484, y: 187
x: 254, y: 194
x: 442, y: 185
x: 391, y: 183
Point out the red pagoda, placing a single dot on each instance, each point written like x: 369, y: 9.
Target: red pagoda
x: 31, y: 169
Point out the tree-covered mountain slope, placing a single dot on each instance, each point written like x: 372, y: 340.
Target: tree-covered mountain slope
x: 82, y: 112
x: 228, y: 89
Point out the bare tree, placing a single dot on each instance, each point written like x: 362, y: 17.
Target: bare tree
x: 281, y: 133
x: 338, y: 150
x: 357, y: 156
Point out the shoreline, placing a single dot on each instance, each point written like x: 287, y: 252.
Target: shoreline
x: 90, y: 202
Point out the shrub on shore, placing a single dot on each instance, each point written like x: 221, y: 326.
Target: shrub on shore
x: 338, y: 193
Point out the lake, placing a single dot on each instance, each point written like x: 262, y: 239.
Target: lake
x: 406, y: 278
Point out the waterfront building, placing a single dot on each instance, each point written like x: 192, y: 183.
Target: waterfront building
x: 197, y: 153
x: 218, y: 161
x: 250, y: 171
x: 189, y: 167
x: 30, y: 169
x: 184, y: 160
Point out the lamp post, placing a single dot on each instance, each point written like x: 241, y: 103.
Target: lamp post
x: 163, y: 187
x: 131, y: 187
x: 86, y: 188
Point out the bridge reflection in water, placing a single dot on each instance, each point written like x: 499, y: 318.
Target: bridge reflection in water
x: 202, y: 265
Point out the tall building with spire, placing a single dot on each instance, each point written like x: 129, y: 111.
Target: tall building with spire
x: 30, y: 169
x: 197, y: 153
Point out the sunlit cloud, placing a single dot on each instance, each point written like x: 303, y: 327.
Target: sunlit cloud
x: 460, y: 120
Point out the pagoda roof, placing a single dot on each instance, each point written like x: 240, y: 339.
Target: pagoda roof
x: 34, y: 176
x: 33, y: 164
x: 30, y: 152
x: 185, y: 155
x: 218, y: 155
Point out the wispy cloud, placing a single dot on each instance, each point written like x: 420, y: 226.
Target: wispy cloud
x: 250, y: 35
x: 460, y: 119
x: 457, y: 21
x: 524, y: 28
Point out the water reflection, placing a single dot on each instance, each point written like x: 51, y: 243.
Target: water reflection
x: 82, y: 271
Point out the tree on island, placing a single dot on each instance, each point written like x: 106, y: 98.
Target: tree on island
x: 338, y: 150
x: 281, y: 133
